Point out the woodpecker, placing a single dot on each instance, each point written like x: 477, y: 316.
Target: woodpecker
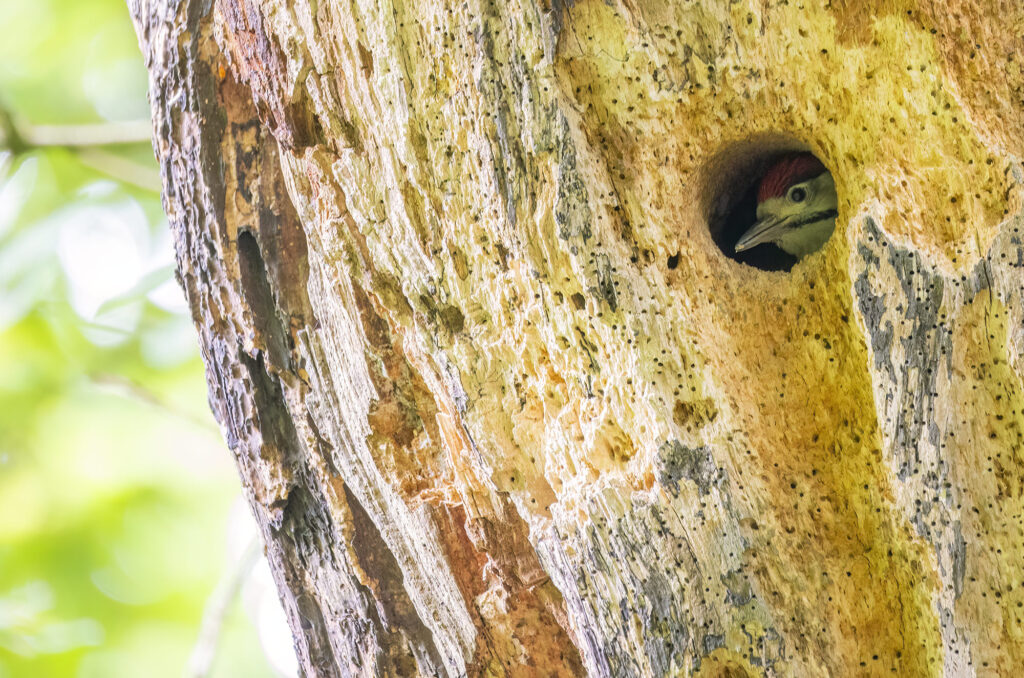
x: 796, y: 206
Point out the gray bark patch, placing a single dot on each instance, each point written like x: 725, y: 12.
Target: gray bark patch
x: 676, y: 462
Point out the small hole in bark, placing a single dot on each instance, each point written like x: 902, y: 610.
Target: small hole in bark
x: 791, y: 176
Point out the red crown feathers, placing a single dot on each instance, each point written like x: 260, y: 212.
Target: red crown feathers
x: 791, y: 169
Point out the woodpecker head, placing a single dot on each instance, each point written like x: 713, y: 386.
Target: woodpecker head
x: 796, y: 206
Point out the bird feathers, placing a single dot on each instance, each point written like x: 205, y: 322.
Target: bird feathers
x: 791, y: 169
x: 799, y: 228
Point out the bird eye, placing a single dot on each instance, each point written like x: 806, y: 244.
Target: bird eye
x: 797, y: 194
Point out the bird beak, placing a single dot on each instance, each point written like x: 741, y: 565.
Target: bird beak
x: 761, y: 232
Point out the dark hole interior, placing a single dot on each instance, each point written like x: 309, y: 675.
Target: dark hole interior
x: 734, y: 180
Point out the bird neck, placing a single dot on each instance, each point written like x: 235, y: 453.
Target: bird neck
x: 809, y: 238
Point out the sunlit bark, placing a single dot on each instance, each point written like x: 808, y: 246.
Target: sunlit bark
x: 502, y: 401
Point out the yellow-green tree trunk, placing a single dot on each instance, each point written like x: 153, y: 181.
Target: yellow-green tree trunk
x: 503, y: 407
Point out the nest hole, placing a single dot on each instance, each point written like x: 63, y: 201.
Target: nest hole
x: 732, y: 180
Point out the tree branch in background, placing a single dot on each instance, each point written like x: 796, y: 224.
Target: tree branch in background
x: 10, y: 138
x: 87, y: 142
x: 135, y: 391
x: 94, y: 134
x: 121, y: 168
x: 205, y: 649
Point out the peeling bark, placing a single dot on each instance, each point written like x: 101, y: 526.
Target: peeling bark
x: 500, y: 400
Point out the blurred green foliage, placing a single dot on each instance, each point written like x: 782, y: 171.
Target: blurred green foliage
x: 115, y: 484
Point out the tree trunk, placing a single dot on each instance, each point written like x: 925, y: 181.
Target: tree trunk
x: 503, y: 405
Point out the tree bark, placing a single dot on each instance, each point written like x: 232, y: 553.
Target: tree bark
x: 501, y: 404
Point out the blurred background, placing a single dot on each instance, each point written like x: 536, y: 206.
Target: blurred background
x: 125, y: 548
